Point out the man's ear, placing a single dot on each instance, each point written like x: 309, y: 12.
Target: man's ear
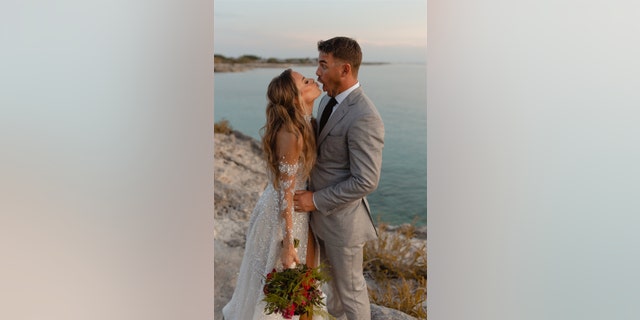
x: 346, y: 69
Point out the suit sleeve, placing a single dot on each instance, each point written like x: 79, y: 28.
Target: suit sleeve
x: 365, y: 140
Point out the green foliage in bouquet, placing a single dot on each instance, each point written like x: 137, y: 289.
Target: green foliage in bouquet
x: 295, y: 291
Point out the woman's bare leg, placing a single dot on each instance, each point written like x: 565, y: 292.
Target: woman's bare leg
x: 311, y: 250
x: 311, y: 258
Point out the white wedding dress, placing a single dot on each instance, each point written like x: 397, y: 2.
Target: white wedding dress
x: 263, y: 246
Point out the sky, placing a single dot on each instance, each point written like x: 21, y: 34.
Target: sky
x: 387, y: 31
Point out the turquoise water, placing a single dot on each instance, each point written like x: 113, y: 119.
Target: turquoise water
x: 399, y: 93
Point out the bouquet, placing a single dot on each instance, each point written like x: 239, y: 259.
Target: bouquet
x: 295, y: 291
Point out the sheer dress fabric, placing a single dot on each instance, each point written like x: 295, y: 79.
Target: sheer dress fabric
x: 263, y: 246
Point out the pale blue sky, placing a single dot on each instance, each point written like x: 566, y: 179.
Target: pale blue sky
x: 390, y: 31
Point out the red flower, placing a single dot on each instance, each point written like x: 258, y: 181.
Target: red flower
x: 294, y: 291
x: 270, y: 275
x: 289, y: 312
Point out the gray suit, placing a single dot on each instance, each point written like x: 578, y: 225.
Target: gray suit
x: 347, y: 169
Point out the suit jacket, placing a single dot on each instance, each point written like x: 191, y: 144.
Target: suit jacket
x: 347, y: 169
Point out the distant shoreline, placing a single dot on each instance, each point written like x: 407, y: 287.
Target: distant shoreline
x: 247, y: 62
x: 242, y: 67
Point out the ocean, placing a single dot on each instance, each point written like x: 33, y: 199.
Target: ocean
x: 399, y: 93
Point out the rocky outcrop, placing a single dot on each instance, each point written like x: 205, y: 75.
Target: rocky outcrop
x: 239, y: 179
x: 384, y: 313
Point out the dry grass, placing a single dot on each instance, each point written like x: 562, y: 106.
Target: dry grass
x: 222, y: 126
x: 393, y: 254
x: 406, y: 295
x: 399, y: 268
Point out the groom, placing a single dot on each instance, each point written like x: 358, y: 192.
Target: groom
x: 350, y: 139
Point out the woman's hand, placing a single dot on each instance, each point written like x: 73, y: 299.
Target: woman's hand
x: 289, y: 256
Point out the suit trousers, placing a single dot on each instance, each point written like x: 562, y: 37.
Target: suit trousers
x: 347, y: 295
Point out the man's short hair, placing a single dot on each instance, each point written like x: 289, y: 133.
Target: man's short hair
x: 343, y: 48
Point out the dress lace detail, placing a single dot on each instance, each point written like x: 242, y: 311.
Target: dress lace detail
x: 263, y: 246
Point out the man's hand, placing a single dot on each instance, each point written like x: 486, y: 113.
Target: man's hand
x: 303, y: 201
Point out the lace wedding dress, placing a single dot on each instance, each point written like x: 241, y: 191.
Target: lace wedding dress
x: 262, y: 249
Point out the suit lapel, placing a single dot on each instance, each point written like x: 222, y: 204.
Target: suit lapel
x: 337, y: 115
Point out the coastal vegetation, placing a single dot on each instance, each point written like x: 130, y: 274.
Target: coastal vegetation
x: 245, y: 62
x: 249, y: 58
x: 222, y: 126
x: 397, y: 264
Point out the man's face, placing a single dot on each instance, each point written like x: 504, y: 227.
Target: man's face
x: 328, y: 73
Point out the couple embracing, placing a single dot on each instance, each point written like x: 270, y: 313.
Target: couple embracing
x: 320, y: 171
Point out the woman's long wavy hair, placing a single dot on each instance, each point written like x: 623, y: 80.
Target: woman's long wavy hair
x: 285, y: 111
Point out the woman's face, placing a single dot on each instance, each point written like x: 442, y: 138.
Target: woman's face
x: 308, y: 88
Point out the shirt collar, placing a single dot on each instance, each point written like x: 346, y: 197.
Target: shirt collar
x: 343, y: 95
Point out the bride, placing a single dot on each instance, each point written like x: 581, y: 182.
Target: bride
x: 288, y: 141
